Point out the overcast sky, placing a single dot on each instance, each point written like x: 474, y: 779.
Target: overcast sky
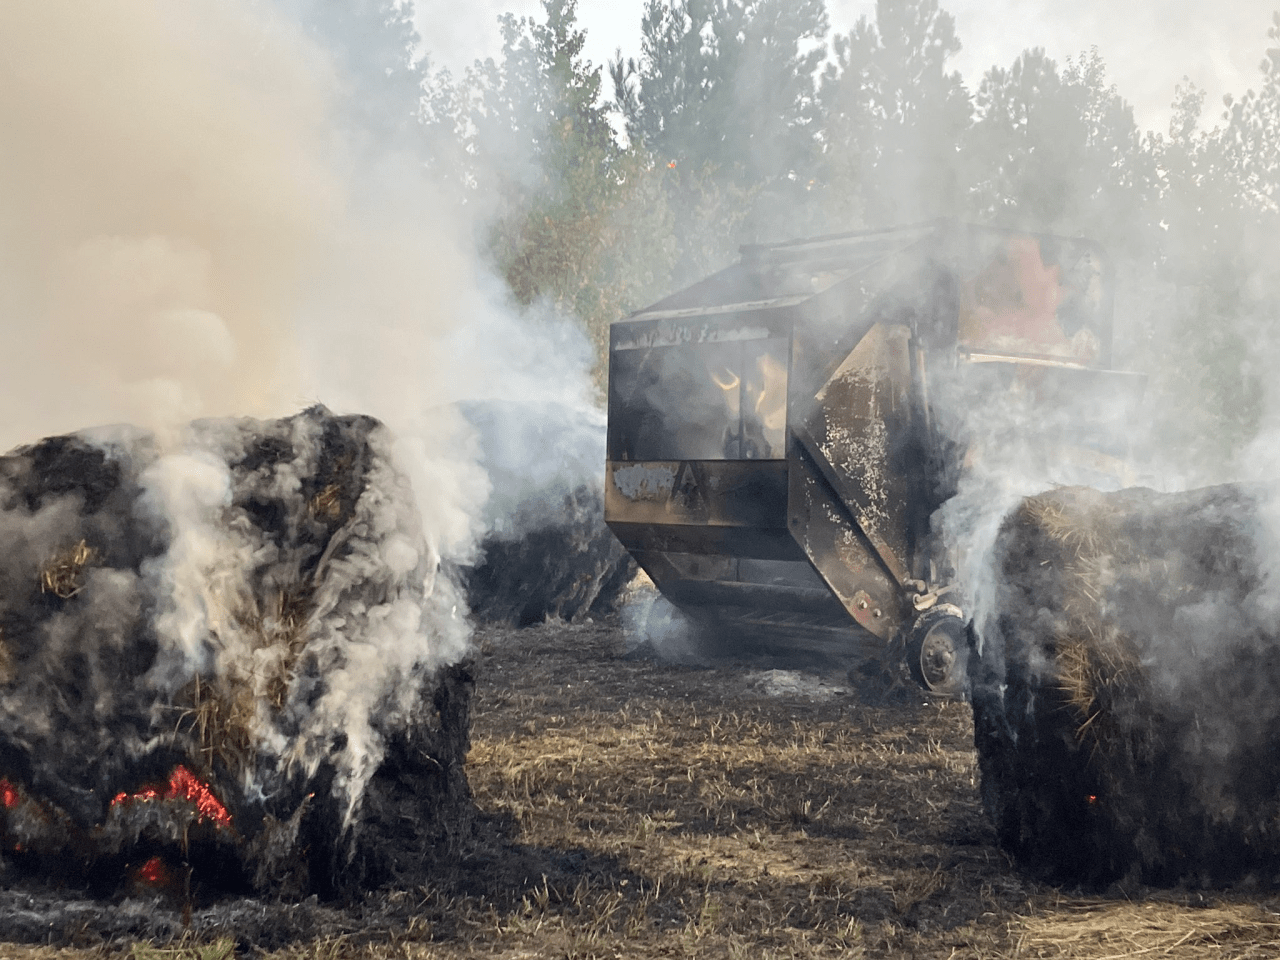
x: 1148, y: 45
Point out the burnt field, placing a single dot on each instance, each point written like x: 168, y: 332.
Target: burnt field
x: 634, y: 808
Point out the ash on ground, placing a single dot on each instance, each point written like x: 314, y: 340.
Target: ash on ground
x: 793, y: 683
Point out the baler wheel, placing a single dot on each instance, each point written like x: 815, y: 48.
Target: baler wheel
x: 938, y: 651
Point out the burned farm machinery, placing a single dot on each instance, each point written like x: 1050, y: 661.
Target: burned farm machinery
x: 782, y: 434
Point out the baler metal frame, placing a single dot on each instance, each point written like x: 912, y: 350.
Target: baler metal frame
x: 774, y: 460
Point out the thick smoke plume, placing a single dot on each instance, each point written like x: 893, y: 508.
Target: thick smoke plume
x: 195, y: 226
x: 165, y: 196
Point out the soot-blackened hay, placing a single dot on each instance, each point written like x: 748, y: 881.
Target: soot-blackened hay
x: 1126, y: 687
x: 555, y: 560
x: 231, y: 661
x: 548, y: 554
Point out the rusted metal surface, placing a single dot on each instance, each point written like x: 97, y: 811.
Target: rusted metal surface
x: 725, y: 493
x: 848, y: 562
x: 859, y: 436
x: 1037, y: 296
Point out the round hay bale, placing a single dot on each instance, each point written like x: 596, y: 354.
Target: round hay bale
x: 1126, y: 687
x: 556, y: 561
x: 227, y: 662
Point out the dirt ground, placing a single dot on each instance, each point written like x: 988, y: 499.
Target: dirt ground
x: 636, y: 808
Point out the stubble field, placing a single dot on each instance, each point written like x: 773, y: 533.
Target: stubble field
x: 636, y: 808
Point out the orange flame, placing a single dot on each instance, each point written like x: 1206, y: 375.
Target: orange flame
x: 8, y: 794
x: 730, y: 381
x: 153, y: 872
x: 184, y: 785
x: 771, y: 405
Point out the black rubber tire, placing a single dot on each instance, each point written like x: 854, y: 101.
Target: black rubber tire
x: 938, y: 653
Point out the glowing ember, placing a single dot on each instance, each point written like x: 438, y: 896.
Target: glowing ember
x: 153, y: 872
x: 145, y: 794
x: 8, y: 793
x: 184, y: 785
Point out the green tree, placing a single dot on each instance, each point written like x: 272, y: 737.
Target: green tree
x: 540, y: 107
x: 895, y: 117
x: 1218, y: 207
x: 374, y: 44
x: 1060, y: 151
x: 723, y: 97
x: 726, y: 83
x: 1251, y: 136
x: 580, y: 225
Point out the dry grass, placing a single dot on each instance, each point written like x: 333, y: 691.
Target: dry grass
x: 61, y: 574
x: 186, y: 949
x: 713, y: 821
x: 1080, y: 532
x: 283, y: 627
x: 1095, y: 664
x: 220, y: 716
x: 1096, y: 670
x: 327, y: 504
x: 1154, y: 928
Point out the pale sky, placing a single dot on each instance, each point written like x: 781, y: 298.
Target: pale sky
x: 1148, y: 45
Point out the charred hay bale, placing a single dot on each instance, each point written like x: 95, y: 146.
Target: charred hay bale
x: 547, y: 553
x: 228, y: 662
x: 1126, y: 687
x: 554, y: 559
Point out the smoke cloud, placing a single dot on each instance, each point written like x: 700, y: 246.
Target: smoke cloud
x: 191, y: 229
x: 194, y: 226
x: 165, y: 192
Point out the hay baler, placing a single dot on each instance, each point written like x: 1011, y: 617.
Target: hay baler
x: 781, y: 433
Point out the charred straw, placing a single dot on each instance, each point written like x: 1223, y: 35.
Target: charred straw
x: 227, y: 663
x: 1126, y: 693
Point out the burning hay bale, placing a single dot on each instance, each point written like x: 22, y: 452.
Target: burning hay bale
x: 229, y: 662
x: 547, y: 553
x: 1126, y: 687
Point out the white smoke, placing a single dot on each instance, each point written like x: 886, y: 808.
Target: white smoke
x: 200, y: 579
x: 192, y: 228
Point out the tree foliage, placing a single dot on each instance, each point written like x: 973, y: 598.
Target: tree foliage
x: 894, y: 116
x: 726, y: 84
x: 1059, y: 151
x: 578, y: 225
x: 737, y: 123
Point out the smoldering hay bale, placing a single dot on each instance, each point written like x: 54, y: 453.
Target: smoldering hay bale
x: 559, y: 562
x: 1126, y: 689
x: 547, y: 553
x: 226, y: 661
